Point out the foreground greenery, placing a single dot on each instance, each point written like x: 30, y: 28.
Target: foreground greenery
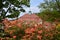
x: 50, y: 10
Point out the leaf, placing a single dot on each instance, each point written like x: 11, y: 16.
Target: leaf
x: 6, y: 5
x: 22, y: 10
x: 1, y: 5
x: 11, y: 6
x: 26, y: 2
x: 13, y: 15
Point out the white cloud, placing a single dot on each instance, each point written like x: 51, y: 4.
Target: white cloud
x: 32, y: 9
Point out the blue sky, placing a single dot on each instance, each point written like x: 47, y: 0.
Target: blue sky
x: 35, y: 2
x: 33, y: 7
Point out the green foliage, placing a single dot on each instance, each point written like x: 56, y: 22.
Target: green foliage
x: 48, y: 15
x: 26, y: 3
x: 57, y: 36
x: 1, y: 4
x: 50, y: 10
x: 13, y: 7
x: 51, y: 4
x: 14, y: 14
x: 58, y: 28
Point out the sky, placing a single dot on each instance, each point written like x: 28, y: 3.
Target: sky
x: 34, y: 3
x: 33, y: 7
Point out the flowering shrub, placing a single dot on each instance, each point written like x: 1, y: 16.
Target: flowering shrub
x: 33, y: 32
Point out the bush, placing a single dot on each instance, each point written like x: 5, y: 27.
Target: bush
x: 35, y: 32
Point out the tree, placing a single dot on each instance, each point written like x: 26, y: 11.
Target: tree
x: 51, y: 5
x: 51, y: 10
x: 13, y: 7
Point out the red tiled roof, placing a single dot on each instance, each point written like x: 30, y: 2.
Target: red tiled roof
x: 30, y: 17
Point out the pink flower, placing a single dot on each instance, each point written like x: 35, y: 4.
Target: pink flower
x: 1, y: 39
x: 19, y: 25
x: 14, y: 37
x: 32, y: 29
x: 39, y: 37
x: 35, y: 24
x: 40, y: 31
x: 7, y: 38
x: 28, y: 30
x: 11, y: 32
